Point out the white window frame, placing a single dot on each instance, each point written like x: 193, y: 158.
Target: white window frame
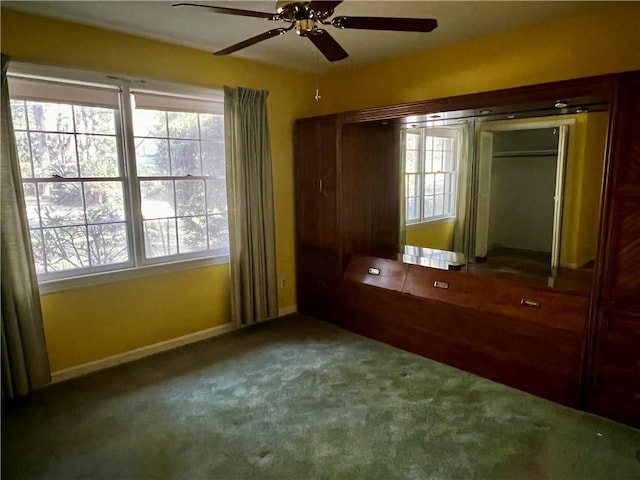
x: 423, y: 133
x: 137, y: 266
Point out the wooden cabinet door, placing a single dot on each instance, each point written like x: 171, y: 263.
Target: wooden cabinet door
x: 613, y: 375
x: 622, y: 240
x: 316, y: 182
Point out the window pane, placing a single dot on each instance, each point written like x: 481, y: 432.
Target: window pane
x: 428, y: 183
x: 411, y: 185
x: 54, y: 154
x: 37, y: 245
x: 439, y: 205
x: 157, y: 199
x: 24, y: 157
x: 212, y: 127
x: 428, y: 162
x: 61, y: 203
x: 218, y: 231
x: 448, y: 205
x: 429, y: 143
x: 437, y: 143
x: 149, y: 123
x: 50, y: 117
x: 412, y: 209
x: 447, y: 165
x: 104, y: 202
x: 447, y: 144
x: 66, y: 248
x: 428, y: 207
x: 183, y: 125
x: 413, y: 141
x: 192, y: 234
x: 190, y: 197
x: 108, y: 243
x: 216, y: 197
x: 185, y: 157
x: 94, y: 120
x: 411, y: 165
x: 437, y: 162
x: 152, y: 157
x: 18, y: 115
x: 213, y: 159
x: 98, y: 156
x: 160, y: 237
x: 439, y: 185
x: 31, y: 203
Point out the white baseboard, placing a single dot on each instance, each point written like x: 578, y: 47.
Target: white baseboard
x: 287, y: 310
x: 138, y: 353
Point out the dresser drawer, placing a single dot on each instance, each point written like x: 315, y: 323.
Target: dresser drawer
x: 498, y: 296
x: 376, y: 272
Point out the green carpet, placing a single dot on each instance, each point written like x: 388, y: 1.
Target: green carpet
x: 300, y: 399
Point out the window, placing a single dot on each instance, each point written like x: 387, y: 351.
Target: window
x: 431, y: 157
x: 116, y: 178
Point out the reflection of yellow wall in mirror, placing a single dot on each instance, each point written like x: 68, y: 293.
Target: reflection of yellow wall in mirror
x: 583, y: 180
x: 437, y: 234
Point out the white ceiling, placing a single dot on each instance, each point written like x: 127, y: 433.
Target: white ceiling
x: 458, y: 21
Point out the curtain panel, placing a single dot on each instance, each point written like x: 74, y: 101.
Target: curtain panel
x: 25, y: 364
x: 254, y: 292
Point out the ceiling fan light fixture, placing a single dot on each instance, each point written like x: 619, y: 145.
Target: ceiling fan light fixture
x: 305, y: 27
x: 561, y: 103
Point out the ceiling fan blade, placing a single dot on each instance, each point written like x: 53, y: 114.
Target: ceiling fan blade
x: 324, y: 6
x: 328, y: 46
x: 253, y: 40
x: 386, y: 23
x: 231, y: 11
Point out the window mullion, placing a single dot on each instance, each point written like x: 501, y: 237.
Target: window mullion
x: 421, y: 170
x: 132, y: 190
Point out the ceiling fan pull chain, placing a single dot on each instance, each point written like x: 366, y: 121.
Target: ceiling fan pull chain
x: 317, y: 95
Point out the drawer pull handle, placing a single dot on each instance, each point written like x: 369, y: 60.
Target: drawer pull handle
x: 439, y: 284
x: 374, y: 271
x: 530, y: 303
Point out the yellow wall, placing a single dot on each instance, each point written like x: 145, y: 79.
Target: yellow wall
x: 91, y: 323
x: 583, y: 181
x: 602, y: 41
x: 95, y: 322
x: 438, y: 235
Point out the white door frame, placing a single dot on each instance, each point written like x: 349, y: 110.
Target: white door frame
x: 485, y: 155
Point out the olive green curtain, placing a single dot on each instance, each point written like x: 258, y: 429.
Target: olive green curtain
x: 254, y: 292
x: 25, y: 364
x: 464, y: 168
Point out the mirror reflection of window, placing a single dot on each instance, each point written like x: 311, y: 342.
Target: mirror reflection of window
x: 431, y: 160
x: 435, y: 162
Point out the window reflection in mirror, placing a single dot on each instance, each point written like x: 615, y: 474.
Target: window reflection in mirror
x: 435, y: 161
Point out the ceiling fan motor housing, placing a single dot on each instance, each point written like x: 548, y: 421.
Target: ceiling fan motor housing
x: 303, y: 17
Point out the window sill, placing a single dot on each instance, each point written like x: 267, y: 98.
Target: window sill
x: 409, y: 226
x: 115, y: 276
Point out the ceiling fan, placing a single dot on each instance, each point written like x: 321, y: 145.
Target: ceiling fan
x: 307, y: 16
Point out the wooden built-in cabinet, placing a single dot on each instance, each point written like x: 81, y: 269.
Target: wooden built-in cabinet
x: 576, y: 348
x: 612, y: 386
